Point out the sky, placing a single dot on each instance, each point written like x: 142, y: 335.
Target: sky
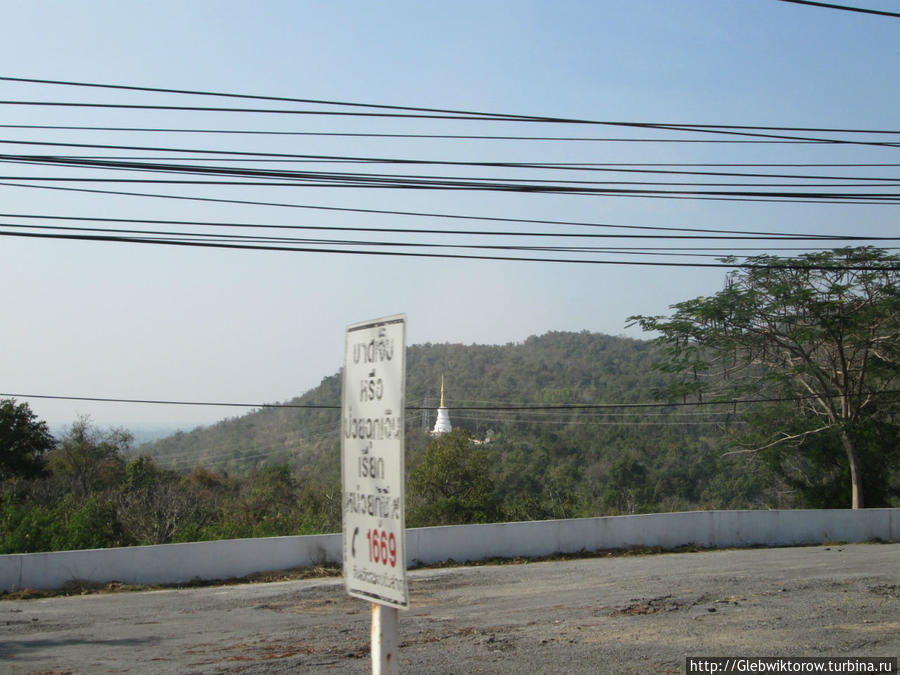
x: 123, y: 320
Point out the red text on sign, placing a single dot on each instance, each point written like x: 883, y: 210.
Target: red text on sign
x: 382, y: 547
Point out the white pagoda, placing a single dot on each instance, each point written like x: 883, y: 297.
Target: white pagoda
x: 442, y: 425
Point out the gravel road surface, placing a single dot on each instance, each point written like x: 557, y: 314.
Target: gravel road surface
x: 633, y: 614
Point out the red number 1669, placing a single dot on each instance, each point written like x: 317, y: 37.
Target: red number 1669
x: 382, y: 547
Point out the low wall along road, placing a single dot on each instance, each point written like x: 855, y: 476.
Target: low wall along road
x: 181, y: 563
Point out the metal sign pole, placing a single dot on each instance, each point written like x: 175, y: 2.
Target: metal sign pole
x: 385, y: 640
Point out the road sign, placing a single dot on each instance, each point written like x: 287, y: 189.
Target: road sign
x: 372, y: 467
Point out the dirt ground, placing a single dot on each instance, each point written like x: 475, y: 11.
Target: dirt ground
x: 641, y: 614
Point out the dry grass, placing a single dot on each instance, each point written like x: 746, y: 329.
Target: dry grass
x: 77, y: 587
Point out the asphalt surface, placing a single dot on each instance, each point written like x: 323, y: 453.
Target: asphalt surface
x: 631, y: 614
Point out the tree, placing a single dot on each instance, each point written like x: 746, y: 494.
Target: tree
x: 154, y: 505
x: 627, y: 488
x: 270, y: 503
x: 452, y: 485
x: 88, y: 460
x: 822, y: 329
x: 23, y: 441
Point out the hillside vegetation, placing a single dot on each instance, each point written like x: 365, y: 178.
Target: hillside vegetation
x: 543, y: 463
x: 559, y: 426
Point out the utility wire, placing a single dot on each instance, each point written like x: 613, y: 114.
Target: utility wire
x: 846, y: 8
x: 282, y: 99
x: 546, y: 166
x: 784, y: 237
x: 432, y: 182
x: 417, y: 214
x: 722, y: 129
x: 289, y: 205
x: 112, y: 163
x: 707, y: 233
x: 31, y: 159
x: 454, y: 256
x: 404, y: 182
x: 373, y: 181
x: 407, y: 181
x: 166, y: 236
x: 709, y: 128
x: 487, y: 117
x: 492, y: 408
x: 420, y: 136
x: 715, y: 234
x: 444, y: 111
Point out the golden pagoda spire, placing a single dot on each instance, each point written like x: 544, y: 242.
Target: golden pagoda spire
x: 442, y: 424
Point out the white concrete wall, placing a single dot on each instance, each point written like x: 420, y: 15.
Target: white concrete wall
x: 714, y: 529
x: 179, y: 563
x: 168, y: 563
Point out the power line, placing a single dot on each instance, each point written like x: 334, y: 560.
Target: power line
x: 453, y: 256
x: 742, y: 130
x: 722, y: 129
x: 628, y: 168
x: 410, y: 182
x: 303, y: 177
x: 731, y: 130
x: 491, y: 408
x: 460, y: 114
x: 634, y: 422
x: 432, y: 182
x: 164, y: 235
x: 707, y: 233
x: 372, y: 181
x: 97, y: 399
x: 419, y: 136
x: 645, y: 250
x: 846, y: 8
x: 448, y: 111
x: 484, y: 117
x: 283, y: 99
x: 247, y: 202
x: 26, y: 159
x: 457, y: 183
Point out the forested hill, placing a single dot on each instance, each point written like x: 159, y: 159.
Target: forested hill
x: 654, y: 454
x: 553, y: 368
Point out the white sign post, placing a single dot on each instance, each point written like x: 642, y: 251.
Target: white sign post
x: 372, y: 470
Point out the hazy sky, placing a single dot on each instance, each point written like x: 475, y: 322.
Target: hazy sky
x: 154, y: 322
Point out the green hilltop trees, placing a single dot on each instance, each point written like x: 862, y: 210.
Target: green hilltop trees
x: 452, y: 484
x: 818, y: 334
x: 89, y: 490
x: 24, y: 441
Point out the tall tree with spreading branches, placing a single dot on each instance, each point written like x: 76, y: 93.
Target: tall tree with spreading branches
x: 821, y: 329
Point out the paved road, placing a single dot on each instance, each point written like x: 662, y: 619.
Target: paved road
x: 599, y: 615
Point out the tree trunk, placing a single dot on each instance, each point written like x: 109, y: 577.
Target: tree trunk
x: 855, y: 473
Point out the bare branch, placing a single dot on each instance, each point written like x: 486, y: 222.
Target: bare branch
x: 785, y: 439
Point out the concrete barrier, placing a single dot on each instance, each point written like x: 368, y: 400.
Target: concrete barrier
x: 181, y: 563
x: 714, y: 529
x: 167, y: 563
